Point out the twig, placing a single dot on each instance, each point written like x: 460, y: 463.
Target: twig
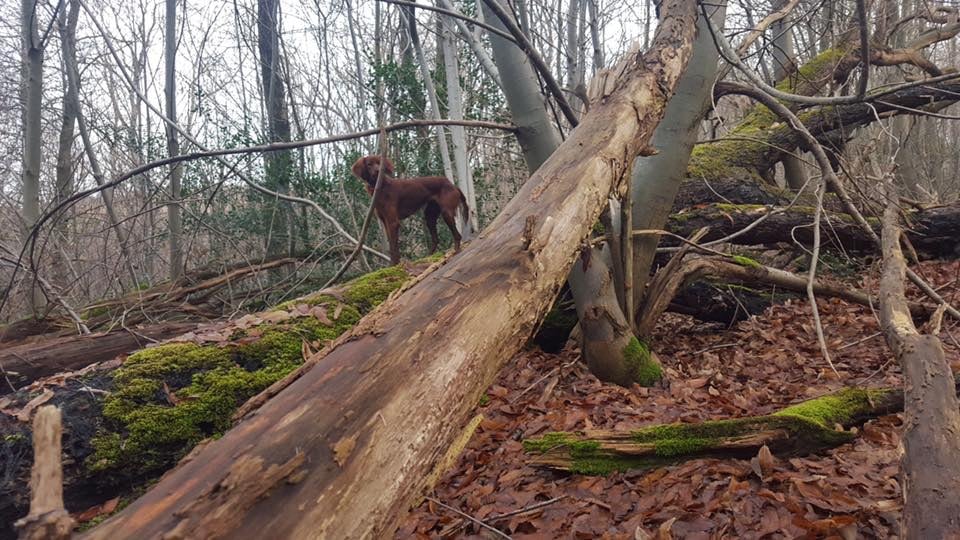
x: 531, y: 508
x: 812, y: 276
x: 494, y: 530
x: 370, y: 211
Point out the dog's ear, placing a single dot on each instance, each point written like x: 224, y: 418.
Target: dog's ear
x: 359, y: 168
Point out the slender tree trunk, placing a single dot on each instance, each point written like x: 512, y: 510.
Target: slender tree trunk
x: 656, y: 179
x: 31, y: 96
x: 481, y: 53
x: 173, y: 141
x: 784, y: 63
x: 464, y: 177
x: 67, y: 27
x: 374, y: 417
x: 278, y: 165
x: 411, y: 20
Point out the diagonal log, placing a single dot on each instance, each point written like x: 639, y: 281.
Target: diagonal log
x: 344, y: 449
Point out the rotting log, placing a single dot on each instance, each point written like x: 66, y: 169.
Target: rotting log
x: 934, y: 232
x: 930, y: 466
x: 803, y: 428
x: 346, y: 447
x: 128, y: 422
x: 22, y: 363
x: 743, y: 270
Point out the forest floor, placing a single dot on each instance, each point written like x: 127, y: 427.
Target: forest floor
x: 756, y: 367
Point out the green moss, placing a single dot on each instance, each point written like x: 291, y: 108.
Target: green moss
x: 371, y: 289
x: 838, y: 408
x: 814, y: 71
x: 484, y: 400
x: 95, y: 311
x: 730, y: 208
x: 168, y: 398
x: 643, y: 367
x: 746, y: 261
x: 681, y: 447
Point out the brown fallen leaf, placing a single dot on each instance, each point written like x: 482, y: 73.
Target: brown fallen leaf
x: 664, y: 533
x: 171, y: 397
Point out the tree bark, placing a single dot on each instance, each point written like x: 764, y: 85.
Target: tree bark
x: 934, y: 232
x: 931, y: 438
x: 67, y: 27
x: 278, y: 165
x: 173, y: 140
x: 25, y: 363
x: 373, y: 417
x: 31, y: 96
x: 656, y: 179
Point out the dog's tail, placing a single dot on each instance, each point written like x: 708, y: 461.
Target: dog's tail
x: 464, y: 209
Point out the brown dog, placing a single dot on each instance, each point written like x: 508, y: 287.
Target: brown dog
x: 400, y: 198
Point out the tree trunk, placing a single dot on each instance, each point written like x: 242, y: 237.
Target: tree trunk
x: 784, y: 63
x: 934, y: 232
x: 31, y: 97
x: 30, y: 361
x: 464, y: 177
x: 931, y: 438
x: 278, y: 165
x: 373, y: 417
x: 656, y: 179
x: 67, y: 27
x: 173, y: 141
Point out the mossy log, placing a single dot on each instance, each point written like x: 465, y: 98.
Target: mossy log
x: 804, y: 428
x: 126, y: 425
x: 22, y: 363
x: 378, y: 410
x: 934, y: 232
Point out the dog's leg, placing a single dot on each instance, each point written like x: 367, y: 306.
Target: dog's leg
x: 392, y: 227
x: 451, y: 222
x: 430, y: 214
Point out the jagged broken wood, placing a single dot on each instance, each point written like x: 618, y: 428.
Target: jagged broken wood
x: 47, y: 519
x: 373, y: 417
x: 804, y: 428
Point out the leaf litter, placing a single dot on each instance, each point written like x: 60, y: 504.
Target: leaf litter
x: 754, y: 368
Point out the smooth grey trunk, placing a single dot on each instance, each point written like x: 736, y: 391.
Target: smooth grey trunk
x: 784, y: 61
x: 67, y: 27
x: 656, y: 179
x: 572, y: 52
x: 595, y: 35
x: 604, y: 334
x: 361, y: 102
x: 485, y: 61
x: 537, y: 136
x: 458, y: 134
x: 431, y: 90
x: 31, y: 96
x: 173, y: 141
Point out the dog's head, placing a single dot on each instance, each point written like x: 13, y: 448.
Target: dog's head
x: 368, y: 169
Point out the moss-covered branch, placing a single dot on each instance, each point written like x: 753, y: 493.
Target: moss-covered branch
x: 806, y: 427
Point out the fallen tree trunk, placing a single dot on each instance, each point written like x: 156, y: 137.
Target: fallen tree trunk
x: 24, y: 363
x: 346, y: 447
x: 931, y: 438
x: 934, y: 232
x: 664, y: 287
x: 128, y: 422
x: 803, y: 428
